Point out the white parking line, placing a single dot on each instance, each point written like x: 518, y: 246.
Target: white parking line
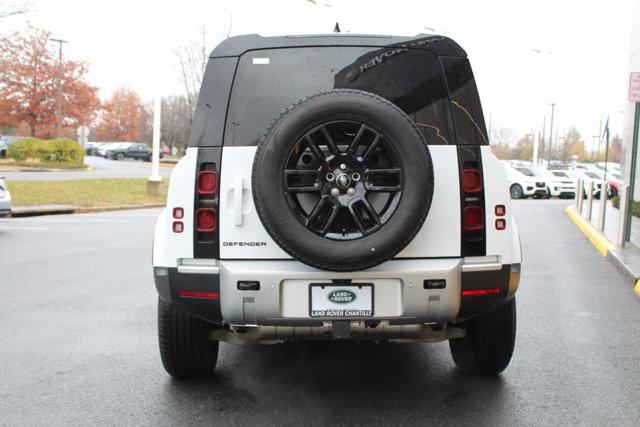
x: 23, y: 228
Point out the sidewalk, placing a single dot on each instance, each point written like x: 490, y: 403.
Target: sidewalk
x: 626, y: 259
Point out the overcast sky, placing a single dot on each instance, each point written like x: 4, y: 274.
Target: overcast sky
x: 524, y: 55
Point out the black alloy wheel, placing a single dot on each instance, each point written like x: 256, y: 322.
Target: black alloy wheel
x: 343, y: 179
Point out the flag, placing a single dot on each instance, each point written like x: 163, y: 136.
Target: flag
x: 605, y: 133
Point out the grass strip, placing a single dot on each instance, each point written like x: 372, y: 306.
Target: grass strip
x: 86, y: 193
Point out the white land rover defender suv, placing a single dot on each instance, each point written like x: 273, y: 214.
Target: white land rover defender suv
x: 337, y: 188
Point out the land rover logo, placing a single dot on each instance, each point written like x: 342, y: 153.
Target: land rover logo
x: 343, y: 180
x: 341, y: 296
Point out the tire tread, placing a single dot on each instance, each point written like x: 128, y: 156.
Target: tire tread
x: 185, y: 348
x: 488, y: 345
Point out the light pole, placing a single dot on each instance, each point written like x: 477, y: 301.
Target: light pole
x: 59, y: 89
x: 553, y: 108
x: 155, y: 180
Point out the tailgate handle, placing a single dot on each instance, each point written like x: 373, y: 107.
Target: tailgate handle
x: 237, y: 201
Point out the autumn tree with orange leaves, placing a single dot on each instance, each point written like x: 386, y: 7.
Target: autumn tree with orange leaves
x: 121, y: 117
x: 28, y: 78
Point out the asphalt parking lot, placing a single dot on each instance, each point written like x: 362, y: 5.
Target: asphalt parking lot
x: 100, y: 168
x: 78, y: 333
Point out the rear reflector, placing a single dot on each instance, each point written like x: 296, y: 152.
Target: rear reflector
x: 178, y: 213
x: 474, y: 292
x: 199, y: 294
x: 207, y: 182
x: 501, y: 210
x: 472, y: 181
x: 206, y: 220
x: 501, y: 224
x: 178, y: 227
x: 473, y: 218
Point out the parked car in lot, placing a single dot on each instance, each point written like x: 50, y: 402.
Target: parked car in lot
x: 368, y: 210
x: 130, y: 151
x: 587, y: 176
x: 102, y: 148
x: 93, y: 147
x: 5, y: 198
x: 3, y: 149
x: 557, y: 186
x: 522, y: 186
x: 614, y: 179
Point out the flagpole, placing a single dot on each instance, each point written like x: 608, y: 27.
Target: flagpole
x: 606, y: 154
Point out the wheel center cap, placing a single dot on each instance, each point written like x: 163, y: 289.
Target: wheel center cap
x: 343, y: 180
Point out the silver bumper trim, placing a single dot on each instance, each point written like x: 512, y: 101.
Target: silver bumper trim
x: 198, y: 266
x: 490, y: 266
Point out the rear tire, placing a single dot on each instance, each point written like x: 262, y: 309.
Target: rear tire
x: 119, y: 156
x: 185, y: 347
x: 489, y: 341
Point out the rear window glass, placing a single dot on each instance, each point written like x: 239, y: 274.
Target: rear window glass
x: 269, y: 81
x: 465, y: 102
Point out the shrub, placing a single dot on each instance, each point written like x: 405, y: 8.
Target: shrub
x: 23, y: 149
x: 636, y: 206
x: 62, y: 151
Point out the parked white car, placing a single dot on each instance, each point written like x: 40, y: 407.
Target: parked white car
x: 5, y: 198
x: 558, y: 186
x: 587, y: 176
x: 522, y: 186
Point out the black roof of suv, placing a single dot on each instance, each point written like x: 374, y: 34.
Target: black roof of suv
x: 236, y: 46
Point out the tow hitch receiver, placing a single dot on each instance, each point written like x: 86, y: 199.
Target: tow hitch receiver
x: 341, y: 330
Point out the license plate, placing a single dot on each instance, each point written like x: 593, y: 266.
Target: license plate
x: 334, y: 300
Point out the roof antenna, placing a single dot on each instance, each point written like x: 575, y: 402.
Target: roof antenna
x: 336, y: 29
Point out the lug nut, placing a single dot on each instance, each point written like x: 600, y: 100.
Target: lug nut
x: 351, y: 191
x: 343, y: 167
x: 335, y: 192
x: 329, y: 177
x: 355, y: 176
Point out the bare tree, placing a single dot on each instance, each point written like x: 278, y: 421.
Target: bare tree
x: 192, y: 60
x: 176, y: 122
x: 501, y: 135
x: 12, y: 10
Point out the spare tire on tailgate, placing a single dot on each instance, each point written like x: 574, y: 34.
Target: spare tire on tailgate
x: 343, y: 180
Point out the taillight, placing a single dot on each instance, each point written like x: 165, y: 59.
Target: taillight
x: 473, y: 218
x: 207, y: 182
x: 471, y: 181
x: 475, y: 292
x: 178, y: 227
x: 206, y: 220
x: 200, y: 294
x: 206, y: 207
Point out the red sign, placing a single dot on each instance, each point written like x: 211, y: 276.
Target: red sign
x: 634, y: 87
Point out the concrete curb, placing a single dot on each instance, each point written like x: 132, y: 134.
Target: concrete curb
x: 605, y: 247
x: 597, y: 239
x: 615, y: 258
x: 87, y: 168
x: 37, y: 210
x: 120, y: 208
x: 25, y: 211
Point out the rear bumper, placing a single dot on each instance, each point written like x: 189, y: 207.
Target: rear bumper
x: 209, y: 289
